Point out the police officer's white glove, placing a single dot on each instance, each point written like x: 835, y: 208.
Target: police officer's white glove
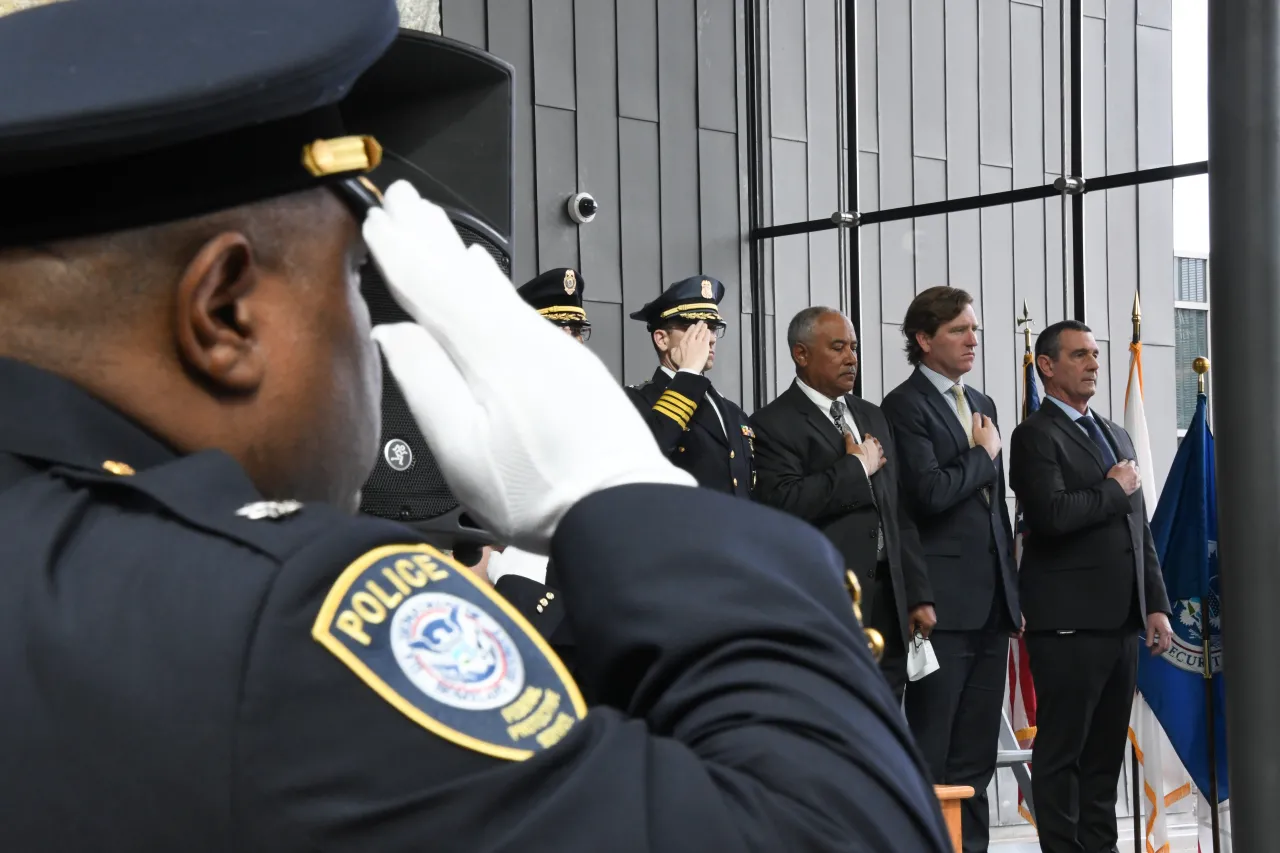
x: 524, y: 421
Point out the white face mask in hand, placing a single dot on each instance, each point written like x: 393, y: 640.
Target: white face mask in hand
x: 524, y: 421
x: 921, y: 660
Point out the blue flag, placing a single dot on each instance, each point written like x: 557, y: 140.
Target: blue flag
x: 1185, y: 529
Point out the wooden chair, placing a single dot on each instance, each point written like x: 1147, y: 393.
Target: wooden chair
x: 949, y: 797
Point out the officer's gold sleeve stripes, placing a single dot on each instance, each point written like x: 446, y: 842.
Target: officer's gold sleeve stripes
x: 676, y: 406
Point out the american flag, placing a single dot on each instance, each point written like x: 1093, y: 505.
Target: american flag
x: 1022, y: 695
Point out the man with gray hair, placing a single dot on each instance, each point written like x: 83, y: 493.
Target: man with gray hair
x: 828, y: 457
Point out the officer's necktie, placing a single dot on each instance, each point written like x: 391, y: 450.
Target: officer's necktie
x: 1095, y: 432
x: 837, y: 416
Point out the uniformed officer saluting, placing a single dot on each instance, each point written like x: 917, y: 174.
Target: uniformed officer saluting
x: 697, y: 428
x: 558, y: 296
x: 202, y: 651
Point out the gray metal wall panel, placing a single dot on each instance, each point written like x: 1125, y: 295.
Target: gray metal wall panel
x: 717, y: 65
x: 1028, y: 96
x: 1095, y: 9
x: 641, y: 238
x: 678, y: 138
x: 1037, y: 3
x: 962, y: 98
x: 553, y: 77
x: 964, y: 266
x: 1155, y: 97
x: 822, y: 113
x: 1055, y: 95
x: 786, y: 68
x: 1102, y: 393
x: 1156, y: 13
x: 928, y: 78
x: 780, y: 375
x: 930, y: 231
x: 1054, y: 284
x: 868, y: 79
x: 894, y: 79
x: 721, y: 238
x: 790, y: 254
x: 1121, y: 109
x: 994, y: 84
x: 995, y: 303
x: 597, y: 97
x: 869, y: 268
x: 464, y: 20
x: 511, y: 38
x: 1029, y: 259
x: 897, y: 243
x: 895, y: 367
x: 637, y: 58
x: 1094, y: 95
x: 1159, y: 400
x: 1095, y: 264
x: 1155, y: 261
x: 557, y: 148
x: 606, y: 334
x: 1122, y: 264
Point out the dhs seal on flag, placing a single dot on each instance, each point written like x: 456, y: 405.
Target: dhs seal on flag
x: 448, y: 652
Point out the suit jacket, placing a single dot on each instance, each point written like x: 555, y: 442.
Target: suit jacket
x: 1088, y: 545
x: 966, y: 537
x: 804, y: 470
x: 689, y: 433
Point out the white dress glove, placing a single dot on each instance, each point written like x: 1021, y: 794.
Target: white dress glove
x: 524, y: 421
x: 512, y: 561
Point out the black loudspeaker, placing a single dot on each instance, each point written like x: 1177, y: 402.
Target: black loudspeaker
x: 443, y: 112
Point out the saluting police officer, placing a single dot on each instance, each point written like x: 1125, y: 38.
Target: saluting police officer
x: 205, y: 649
x: 558, y: 295
x: 697, y: 428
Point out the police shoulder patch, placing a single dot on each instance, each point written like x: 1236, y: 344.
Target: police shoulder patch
x: 449, y: 653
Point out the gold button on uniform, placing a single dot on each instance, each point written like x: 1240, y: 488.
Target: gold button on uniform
x: 735, y: 482
x: 732, y: 454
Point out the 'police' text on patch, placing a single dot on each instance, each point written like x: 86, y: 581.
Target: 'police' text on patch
x: 449, y: 653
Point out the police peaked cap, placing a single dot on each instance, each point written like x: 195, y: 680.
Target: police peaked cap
x: 695, y: 298
x: 126, y: 113
x: 557, y: 294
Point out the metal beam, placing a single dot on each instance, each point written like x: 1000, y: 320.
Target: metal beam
x: 1244, y: 216
x: 1077, y: 159
x: 955, y: 205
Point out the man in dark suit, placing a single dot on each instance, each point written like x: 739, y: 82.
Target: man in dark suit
x: 1090, y: 581
x: 952, y: 480
x: 813, y: 464
x: 698, y: 429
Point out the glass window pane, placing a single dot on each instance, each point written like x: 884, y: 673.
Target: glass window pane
x: 1189, y: 279
x: 1191, y: 339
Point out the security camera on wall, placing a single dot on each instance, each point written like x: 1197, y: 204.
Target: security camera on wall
x: 583, y: 208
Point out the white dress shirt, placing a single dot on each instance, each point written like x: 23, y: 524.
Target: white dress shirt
x: 672, y: 374
x: 944, y: 386
x: 823, y: 402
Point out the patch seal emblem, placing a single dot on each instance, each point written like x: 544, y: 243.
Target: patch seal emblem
x: 570, y: 282
x: 707, y: 292
x: 448, y: 653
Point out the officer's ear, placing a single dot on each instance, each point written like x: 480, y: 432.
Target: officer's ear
x: 661, y: 340
x: 215, y: 322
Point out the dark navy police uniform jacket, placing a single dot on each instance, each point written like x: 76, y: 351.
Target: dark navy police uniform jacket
x: 189, y: 667
x: 687, y: 430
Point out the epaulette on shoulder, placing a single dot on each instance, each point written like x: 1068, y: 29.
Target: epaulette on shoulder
x: 640, y: 386
x: 211, y: 493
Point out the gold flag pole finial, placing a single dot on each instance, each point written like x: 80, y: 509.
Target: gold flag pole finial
x: 1025, y: 323
x: 1137, y: 319
x: 1201, y: 367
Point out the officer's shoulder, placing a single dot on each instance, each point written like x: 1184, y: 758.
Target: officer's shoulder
x: 207, y: 497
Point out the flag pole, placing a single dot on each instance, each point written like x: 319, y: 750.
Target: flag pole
x: 1139, y: 837
x: 1201, y: 367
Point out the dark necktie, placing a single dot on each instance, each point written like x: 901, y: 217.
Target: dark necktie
x: 837, y: 415
x: 1095, y: 432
